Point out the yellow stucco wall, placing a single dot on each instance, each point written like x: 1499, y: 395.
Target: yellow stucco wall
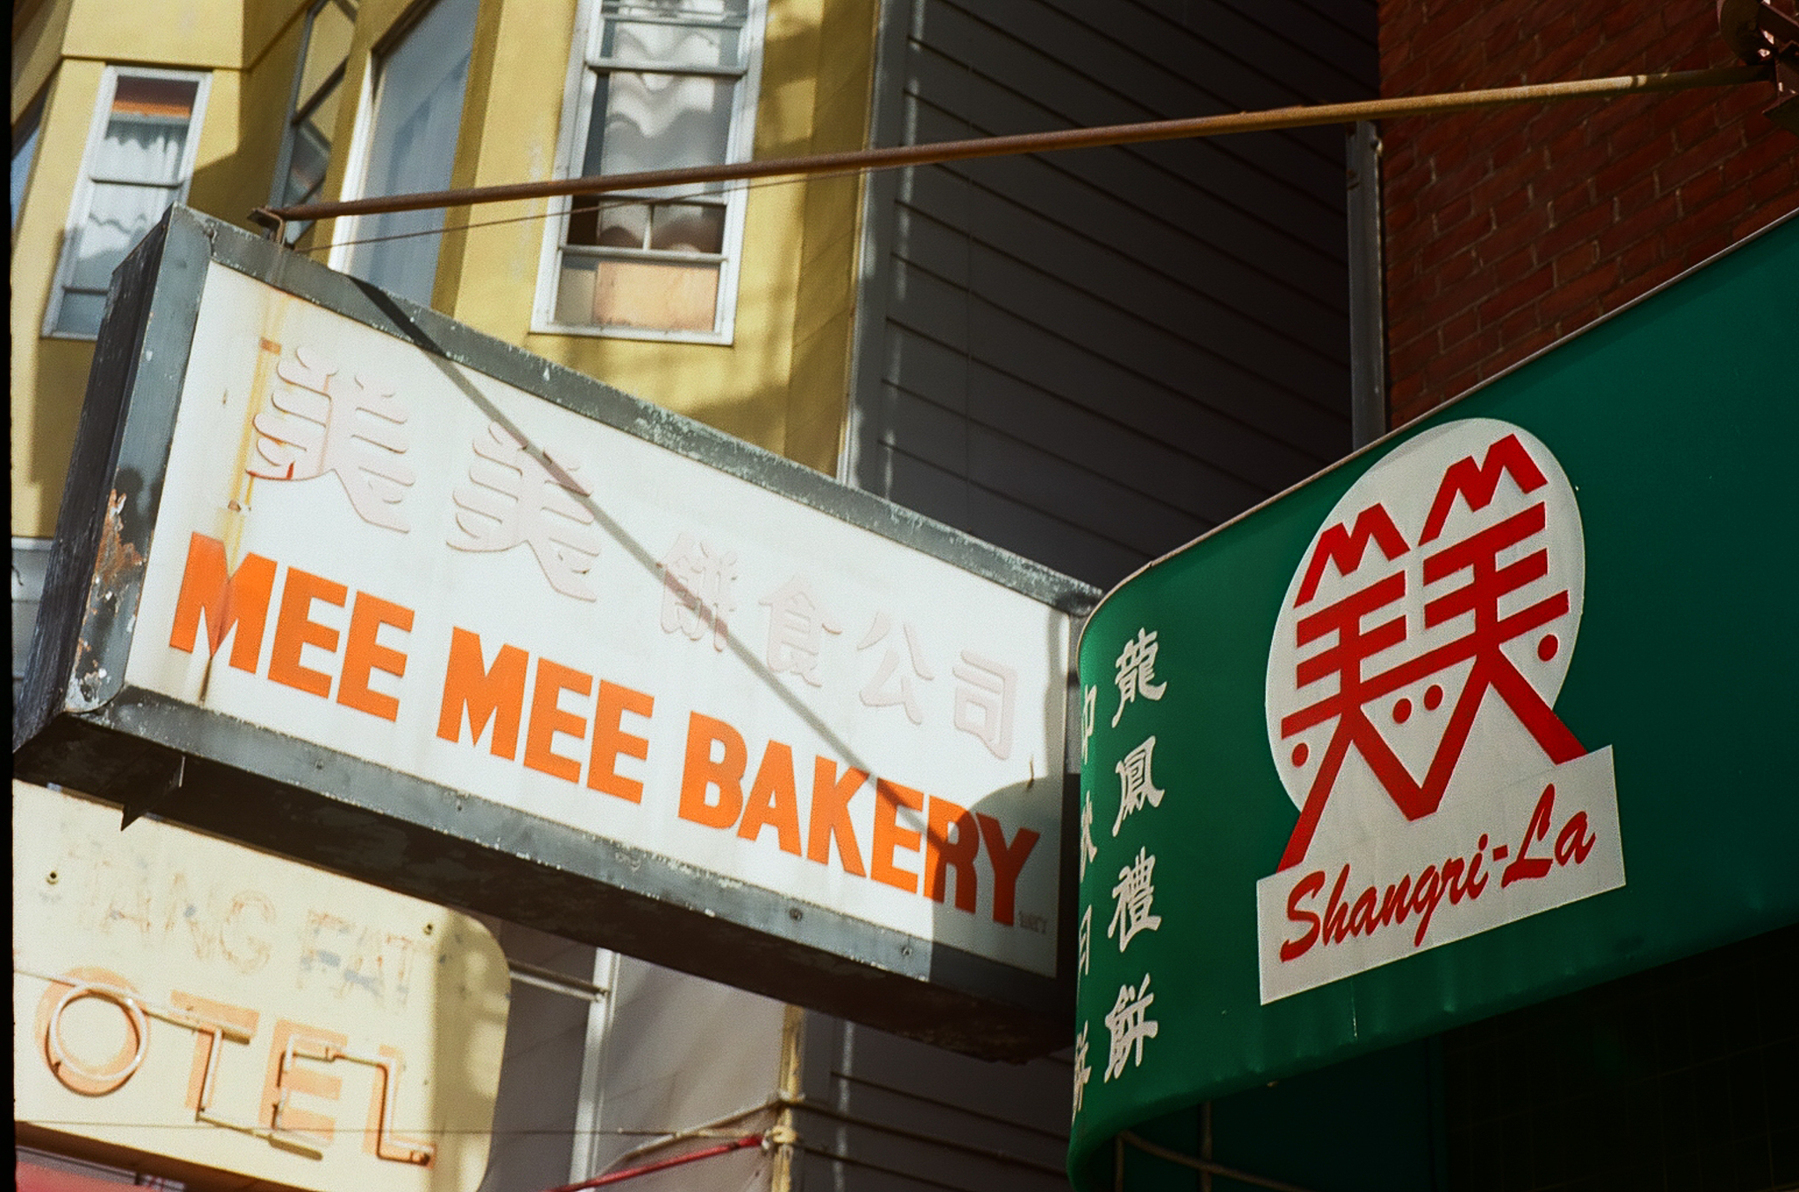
x: 196, y: 33
x: 49, y: 376
x: 67, y: 45
x: 37, y: 47
x: 780, y: 384
x: 842, y: 70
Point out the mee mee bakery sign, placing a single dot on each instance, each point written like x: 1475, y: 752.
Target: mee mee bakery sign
x: 1499, y: 707
x: 339, y: 577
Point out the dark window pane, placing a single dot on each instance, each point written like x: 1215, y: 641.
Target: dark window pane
x: 688, y: 227
x: 24, y: 148
x: 595, y: 223
x: 165, y: 100
x: 306, y: 167
x: 592, y: 164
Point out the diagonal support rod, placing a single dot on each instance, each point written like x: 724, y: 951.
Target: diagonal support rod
x: 1302, y: 116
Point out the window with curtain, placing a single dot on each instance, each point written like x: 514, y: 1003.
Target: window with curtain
x: 419, y: 85
x: 657, y: 84
x: 139, y: 159
x: 313, y: 107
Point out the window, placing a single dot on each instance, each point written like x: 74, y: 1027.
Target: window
x: 656, y: 84
x: 312, y: 110
x: 411, y: 146
x: 140, y: 155
x: 24, y: 149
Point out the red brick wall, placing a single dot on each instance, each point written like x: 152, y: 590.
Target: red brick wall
x: 1509, y: 229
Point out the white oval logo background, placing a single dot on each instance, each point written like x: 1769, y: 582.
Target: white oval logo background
x: 1439, y: 503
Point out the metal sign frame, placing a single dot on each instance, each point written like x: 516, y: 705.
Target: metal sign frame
x: 81, y: 724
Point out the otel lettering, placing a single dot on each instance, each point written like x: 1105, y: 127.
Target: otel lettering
x: 220, y: 1030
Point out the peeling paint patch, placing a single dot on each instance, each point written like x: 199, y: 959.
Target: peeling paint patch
x: 118, y: 572
x: 119, y: 563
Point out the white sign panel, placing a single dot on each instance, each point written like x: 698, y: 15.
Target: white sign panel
x: 182, y: 996
x: 368, y: 547
x: 1427, y: 632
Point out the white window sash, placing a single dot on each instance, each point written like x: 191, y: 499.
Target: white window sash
x: 640, y: 66
x: 82, y: 201
x: 343, y: 231
x: 673, y: 256
x: 585, y: 64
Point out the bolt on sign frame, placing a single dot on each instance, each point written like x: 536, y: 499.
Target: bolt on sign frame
x: 339, y: 577
x: 1497, y: 708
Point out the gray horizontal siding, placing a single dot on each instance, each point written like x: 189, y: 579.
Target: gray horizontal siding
x: 1079, y: 414
x: 1294, y: 188
x: 899, y: 1115
x: 1073, y: 74
x: 1092, y: 357
x: 1252, y: 372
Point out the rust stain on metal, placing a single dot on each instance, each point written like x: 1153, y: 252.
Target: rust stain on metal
x: 267, y: 356
x: 118, y: 561
x: 231, y: 523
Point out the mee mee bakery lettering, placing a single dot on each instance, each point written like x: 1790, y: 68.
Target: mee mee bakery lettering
x: 407, y: 561
x: 555, y: 720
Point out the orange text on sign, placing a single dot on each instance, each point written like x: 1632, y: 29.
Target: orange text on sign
x: 233, y: 605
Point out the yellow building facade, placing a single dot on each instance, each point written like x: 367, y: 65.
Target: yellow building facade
x: 771, y: 366
x: 230, y: 105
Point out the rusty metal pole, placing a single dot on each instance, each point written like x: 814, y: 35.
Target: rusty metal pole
x: 1037, y: 142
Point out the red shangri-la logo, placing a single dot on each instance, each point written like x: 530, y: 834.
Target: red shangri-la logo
x: 1411, y: 691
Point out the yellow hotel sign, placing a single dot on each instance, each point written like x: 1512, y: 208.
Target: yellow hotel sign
x: 182, y: 996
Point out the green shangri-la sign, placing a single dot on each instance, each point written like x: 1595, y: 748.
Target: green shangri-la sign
x: 1493, y: 710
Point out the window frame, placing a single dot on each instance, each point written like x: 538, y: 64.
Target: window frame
x: 362, y: 127
x: 299, y: 108
x: 80, y: 202
x: 347, y: 229
x: 585, y: 66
